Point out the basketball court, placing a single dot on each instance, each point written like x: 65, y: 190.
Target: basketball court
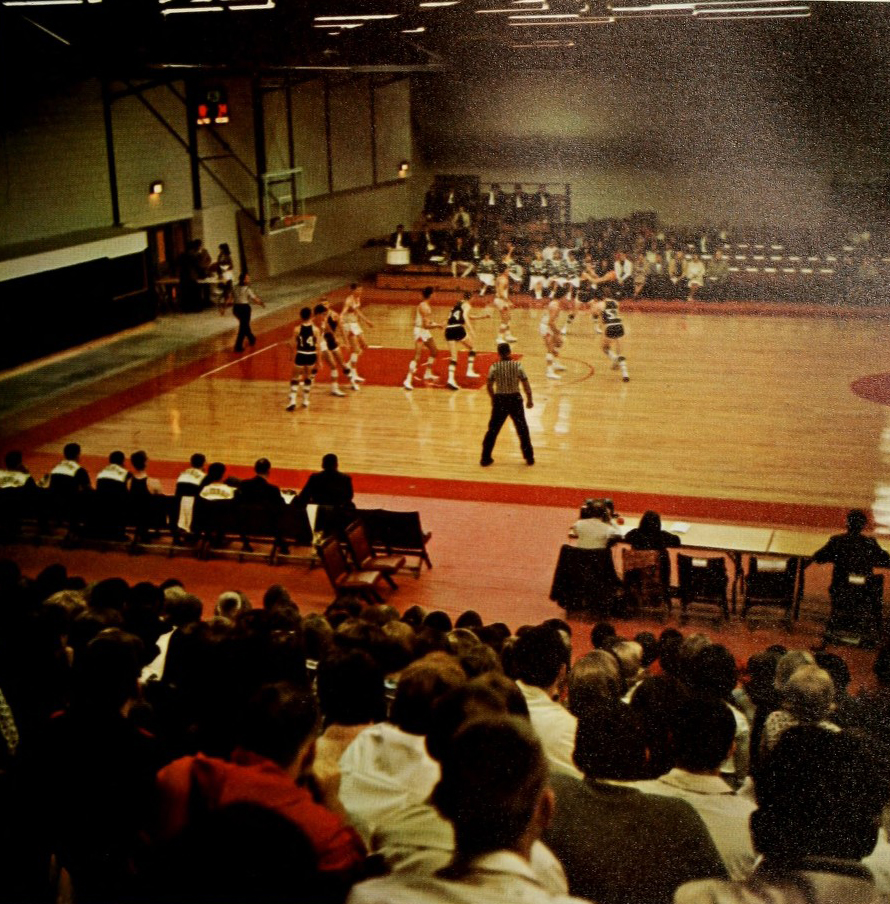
x: 728, y: 417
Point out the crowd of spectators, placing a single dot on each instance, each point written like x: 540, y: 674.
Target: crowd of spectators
x: 157, y: 747
x: 475, y: 232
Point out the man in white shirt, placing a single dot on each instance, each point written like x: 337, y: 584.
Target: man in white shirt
x: 387, y: 769
x: 494, y: 791
x: 542, y: 665
x: 594, y: 529
x: 704, y: 738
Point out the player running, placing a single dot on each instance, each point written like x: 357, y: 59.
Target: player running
x: 459, y: 332
x: 613, y: 333
x: 423, y: 339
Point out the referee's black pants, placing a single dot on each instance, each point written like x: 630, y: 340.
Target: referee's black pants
x: 242, y: 312
x: 504, y: 405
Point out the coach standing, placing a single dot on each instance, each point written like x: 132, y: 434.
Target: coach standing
x: 504, y: 378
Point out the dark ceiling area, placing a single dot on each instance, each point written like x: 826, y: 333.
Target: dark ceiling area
x: 474, y: 37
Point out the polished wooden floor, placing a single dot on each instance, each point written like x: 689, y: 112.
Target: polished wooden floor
x: 720, y: 407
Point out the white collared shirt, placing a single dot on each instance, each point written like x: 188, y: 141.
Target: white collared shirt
x: 555, y: 726
x: 383, y: 771
x: 495, y: 878
x: 725, y: 814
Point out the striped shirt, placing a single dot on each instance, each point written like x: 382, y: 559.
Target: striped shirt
x: 506, y: 376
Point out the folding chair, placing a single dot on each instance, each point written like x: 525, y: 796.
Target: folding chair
x: 364, y: 556
x: 405, y: 536
x: 703, y: 586
x: 644, y: 590
x: 344, y: 581
x: 770, y: 583
x: 856, y: 611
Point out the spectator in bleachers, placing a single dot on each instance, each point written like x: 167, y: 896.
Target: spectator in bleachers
x: 399, y: 239
x: 704, y: 736
x: 387, y: 768
x: 486, y: 270
x: 91, y: 772
x: 819, y: 799
x: 695, y: 275
x: 807, y: 699
x: 711, y: 673
x: 595, y: 681
x: 676, y: 270
x: 716, y: 276
x: 542, y: 665
x: 618, y: 845
x: 461, y: 258
x: 272, y: 766
x: 350, y: 691
x: 494, y: 791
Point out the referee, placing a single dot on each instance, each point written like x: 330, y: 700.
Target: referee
x: 504, y: 378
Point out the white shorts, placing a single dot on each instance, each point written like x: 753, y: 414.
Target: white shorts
x: 544, y: 328
x: 353, y: 329
x: 502, y: 304
x: 487, y: 279
x: 421, y: 334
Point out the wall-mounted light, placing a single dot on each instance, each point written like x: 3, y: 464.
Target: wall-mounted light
x: 403, y: 169
x: 156, y: 188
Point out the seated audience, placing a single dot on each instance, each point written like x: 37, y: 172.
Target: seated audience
x: 807, y: 699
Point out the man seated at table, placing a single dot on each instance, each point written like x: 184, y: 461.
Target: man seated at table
x: 854, y: 558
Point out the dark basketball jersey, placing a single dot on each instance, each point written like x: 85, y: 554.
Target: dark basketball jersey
x: 612, y: 325
x: 306, y: 346
x: 456, y: 317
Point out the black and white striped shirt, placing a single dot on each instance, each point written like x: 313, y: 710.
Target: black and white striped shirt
x: 506, y: 376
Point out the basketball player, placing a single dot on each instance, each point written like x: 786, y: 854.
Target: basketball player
x: 502, y: 303
x: 352, y: 319
x: 306, y: 340
x: 552, y: 336
x: 327, y: 321
x: 459, y: 332
x: 613, y: 333
x: 423, y: 338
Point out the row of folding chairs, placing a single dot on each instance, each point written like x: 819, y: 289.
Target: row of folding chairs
x: 586, y: 579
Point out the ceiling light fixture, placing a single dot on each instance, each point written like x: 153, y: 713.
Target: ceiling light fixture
x: 362, y: 18
x: 720, y: 17
x: 590, y: 20
x: 538, y: 16
x: 430, y: 4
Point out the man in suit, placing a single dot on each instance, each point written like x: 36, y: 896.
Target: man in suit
x: 332, y: 491
x: 258, y: 491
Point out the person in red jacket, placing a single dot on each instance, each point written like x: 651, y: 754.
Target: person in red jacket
x: 273, y: 769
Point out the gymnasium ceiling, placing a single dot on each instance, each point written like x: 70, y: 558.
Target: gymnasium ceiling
x: 475, y: 37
